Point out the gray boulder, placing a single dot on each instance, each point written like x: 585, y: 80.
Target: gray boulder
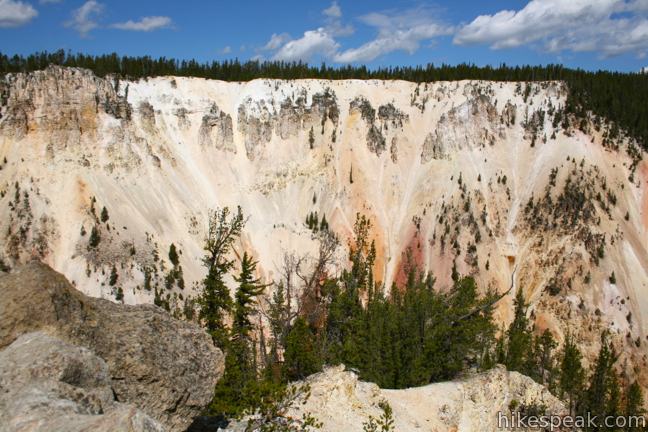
x: 49, y: 385
x: 165, y: 367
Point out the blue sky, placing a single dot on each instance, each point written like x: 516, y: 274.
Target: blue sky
x: 592, y: 34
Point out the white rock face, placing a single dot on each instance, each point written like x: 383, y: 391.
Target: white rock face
x: 343, y: 403
x: 447, y: 169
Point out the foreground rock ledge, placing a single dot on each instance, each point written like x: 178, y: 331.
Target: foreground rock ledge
x: 343, y: 403
x: 50, y: 385
x: 165, y: 367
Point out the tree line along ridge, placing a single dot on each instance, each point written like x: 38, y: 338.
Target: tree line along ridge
x: 616, y: 96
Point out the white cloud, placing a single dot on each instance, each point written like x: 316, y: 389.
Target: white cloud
x: 638, y: 6
x: 314, y: 42
x: 49, y: 1
x: 333, y: 20
x: 537, y: 20
x: 609, y: 27
x: 226, y: 50
x: 333, y: 11
x: 396, y: 32
x: 84, y: 18
x: 276, y: 40
x: 145, y: 24
x: 15, y: 13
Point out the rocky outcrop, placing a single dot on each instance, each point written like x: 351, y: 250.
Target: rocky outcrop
x: 167, y: 368
x: 508, y: 114
x: 475, y: 123
x: 258, y: 119
x: 388, y: 117
x: 217, y: 130
x: 256, y: 130
x: 363, y: 106
x: 392, y: 116
x: 183, y: 120
x: 343, y: 403
x: 49, y: 385
x: 375, y: 140
x: 432, y: 149
x: 147, y: 113
x: 33, y: 101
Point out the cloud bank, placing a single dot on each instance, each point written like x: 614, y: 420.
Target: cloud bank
x: 16, y: 13
x: 609, y: 27
x: 395, y: 31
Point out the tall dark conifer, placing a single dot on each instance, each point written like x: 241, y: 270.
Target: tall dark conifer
x: 518, y: 336
x: 214, y: 301
x: 598, y: 399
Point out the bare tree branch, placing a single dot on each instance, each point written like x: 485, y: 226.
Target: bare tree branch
x: 489, y: 304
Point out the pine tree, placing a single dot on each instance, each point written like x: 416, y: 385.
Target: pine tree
x: 362, y: 255
x: 500, y: 347
x: 104, y: 214
x: 94, y: 239
x: 518, y: 336
x: 378, y: 323
x: 302, y: 357
x: 597, y: 397
x: 545, y: 345
x: 572, y: 374
x: 613, y: 392
x: 633, y: 401
x: 173, y: 255
x: 215, y: 301
x: 249, y: 288
x: 239, y: 388
x: 232, y: 394
x: 279, y: 322
x: 345, y: 327
x: 112, y: 281
x: 422, y: 336
x: 315, y: 222
x: 324, y: 224
x: 469, y: 333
